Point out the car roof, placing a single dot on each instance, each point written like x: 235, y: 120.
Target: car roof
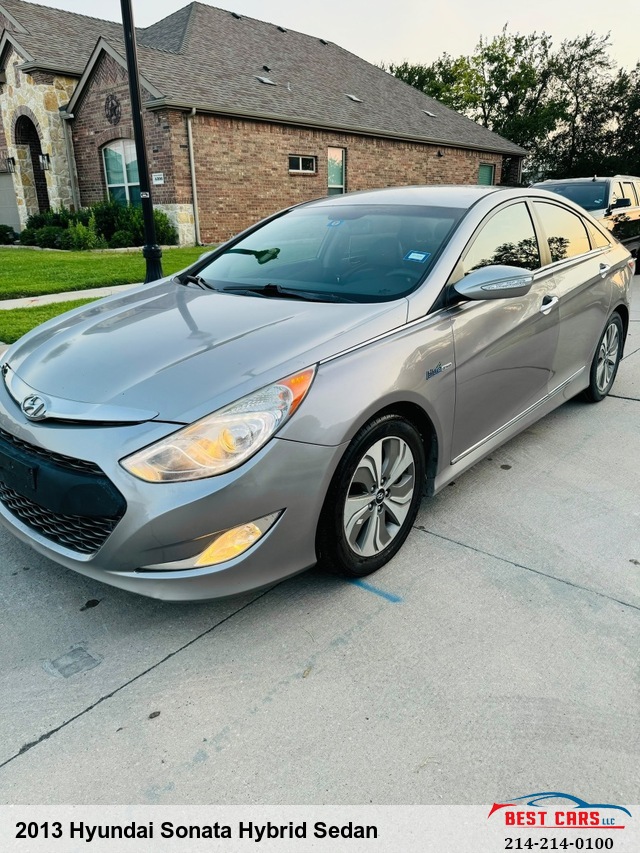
x: 431, y: 196
x: 593, y: 179
x: 456, y: 196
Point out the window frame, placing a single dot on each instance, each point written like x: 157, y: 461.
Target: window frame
x: 613, y: 194
x: 543, y: 240
x: 448, y: 296
x: 592, y: 229
x: 629, y: 186
x: 543, y: 234
x: 458, y: 274
x: 300, y: 170
x: 113, y: 145
x: 491, y: 166
x: 343, y: 186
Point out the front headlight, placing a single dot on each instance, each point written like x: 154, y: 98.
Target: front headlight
x: 223, y: 440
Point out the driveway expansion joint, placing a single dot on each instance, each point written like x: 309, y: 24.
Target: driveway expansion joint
x: 527, y: 568
x: 31, y: 744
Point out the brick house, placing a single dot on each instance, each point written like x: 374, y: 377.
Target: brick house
x: 242, y: 118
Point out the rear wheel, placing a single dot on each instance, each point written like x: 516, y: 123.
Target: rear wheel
x: 606, y: 360
x: 373, y: 498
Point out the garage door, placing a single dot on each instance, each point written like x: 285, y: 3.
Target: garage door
x: 8, y: 206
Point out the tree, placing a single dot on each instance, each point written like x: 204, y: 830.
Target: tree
x: 454, y: 82
x: 625, y: 141
x: 568, y: 107
x: 582, y: 83
x: 504, y: 85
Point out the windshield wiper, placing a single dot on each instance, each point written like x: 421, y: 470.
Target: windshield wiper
x: 284, y: 292
x: 192, y: 279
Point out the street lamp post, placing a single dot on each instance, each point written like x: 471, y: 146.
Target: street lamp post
x: 151, y: 251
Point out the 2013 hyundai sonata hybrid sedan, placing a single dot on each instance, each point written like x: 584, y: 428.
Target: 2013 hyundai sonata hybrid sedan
x: 289, y: 398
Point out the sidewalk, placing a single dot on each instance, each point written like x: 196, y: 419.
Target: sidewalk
x: 67, y: 296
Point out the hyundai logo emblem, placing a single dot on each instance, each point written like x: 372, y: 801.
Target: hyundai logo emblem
x: 34, y: 407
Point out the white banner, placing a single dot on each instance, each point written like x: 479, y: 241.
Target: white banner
x: 357, y: 829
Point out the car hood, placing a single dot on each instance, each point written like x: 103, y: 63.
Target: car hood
x: 175, y: 353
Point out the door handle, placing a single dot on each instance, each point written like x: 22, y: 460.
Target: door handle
x: 604, y: 269
x: 548, y: 303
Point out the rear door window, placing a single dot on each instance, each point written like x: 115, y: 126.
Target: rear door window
x: 565, y: 231
x: 630, y: 193
x: 507, y: 238
x: 598, y: 239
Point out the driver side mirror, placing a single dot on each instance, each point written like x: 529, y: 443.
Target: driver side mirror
x: 620, y: 202
x: 498, y: 281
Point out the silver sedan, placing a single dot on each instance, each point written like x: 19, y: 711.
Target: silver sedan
x: 291, y: 397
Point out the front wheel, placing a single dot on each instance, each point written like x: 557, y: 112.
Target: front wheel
x: 606, y: 360
x: 373, y: 498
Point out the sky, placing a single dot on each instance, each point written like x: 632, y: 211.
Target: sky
x: 414, y: 30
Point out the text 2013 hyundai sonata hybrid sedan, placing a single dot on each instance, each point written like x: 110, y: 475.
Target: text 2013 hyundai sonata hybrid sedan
x: 290, y: 398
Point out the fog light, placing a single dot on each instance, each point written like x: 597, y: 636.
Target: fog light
x: 235, y: 541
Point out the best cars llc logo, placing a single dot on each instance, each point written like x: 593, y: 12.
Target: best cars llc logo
x: 555, y: 810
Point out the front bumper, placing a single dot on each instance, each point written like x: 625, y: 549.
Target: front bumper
x: 166, y: 523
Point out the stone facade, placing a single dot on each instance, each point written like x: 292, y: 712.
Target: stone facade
x: 39, y: 98
x: 182, y: 217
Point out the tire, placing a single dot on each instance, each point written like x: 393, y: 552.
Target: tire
x: 367, y: 516
x: 604, y: 366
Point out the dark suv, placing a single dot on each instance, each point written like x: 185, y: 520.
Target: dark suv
x: 615, y: 201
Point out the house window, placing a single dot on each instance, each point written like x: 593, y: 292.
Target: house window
x: 306, y: 165
x: 121, y: 171
x: 486, y: 174
x: 336, y: 181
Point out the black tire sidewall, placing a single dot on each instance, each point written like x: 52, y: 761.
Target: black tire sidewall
x: 332, y: 548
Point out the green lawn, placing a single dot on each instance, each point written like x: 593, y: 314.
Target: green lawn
x: 18, y: 321
x: 27, y: 272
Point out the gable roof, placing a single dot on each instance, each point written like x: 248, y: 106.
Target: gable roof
x: 313, y: 77
x: 56, y: 39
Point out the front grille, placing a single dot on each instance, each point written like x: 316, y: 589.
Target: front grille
x: 67, y: 462
x: 85, y: 535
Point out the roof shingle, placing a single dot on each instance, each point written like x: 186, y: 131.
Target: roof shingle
x: 210, y: 58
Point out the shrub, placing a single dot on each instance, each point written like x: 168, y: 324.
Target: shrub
x: 83, y: 215
x: 106, y: 214
x: 7, y: 235
x: 166, y: 233
x: 81, y: 237
x: 121, y: 240
x: 130, y: 220
x: 58, y: 218
x: 104, y: 224
x: 49, y: 237
x: 28, y: 237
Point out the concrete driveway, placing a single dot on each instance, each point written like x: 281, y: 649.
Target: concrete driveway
x: 496, y: 655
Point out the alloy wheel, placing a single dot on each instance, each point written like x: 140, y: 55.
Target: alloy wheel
x: 607, y: 357
x: 379, y: 496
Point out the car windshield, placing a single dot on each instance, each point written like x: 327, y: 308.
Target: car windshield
x: 592, y: 195
x: 361, y: 253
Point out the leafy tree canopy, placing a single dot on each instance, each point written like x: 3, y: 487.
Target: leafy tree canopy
x: 574, y: 112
